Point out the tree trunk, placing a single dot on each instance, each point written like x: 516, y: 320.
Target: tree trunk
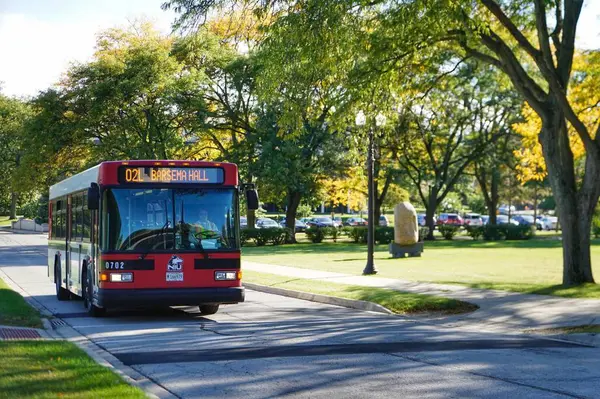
x: 494, y: 196
x: 575, y: 207
x: 293, y: 201
x: 429, y: 212
x: 491, y: 197
x: 13, y: 205
x: 535, y: 203
x: 251, y: 218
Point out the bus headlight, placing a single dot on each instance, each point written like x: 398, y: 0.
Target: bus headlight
x: 121, y: 277
x: 220, y: 276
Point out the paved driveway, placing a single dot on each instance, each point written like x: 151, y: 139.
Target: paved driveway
x: 273, y: 346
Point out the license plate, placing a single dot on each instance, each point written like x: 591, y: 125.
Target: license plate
x: 175, y: 276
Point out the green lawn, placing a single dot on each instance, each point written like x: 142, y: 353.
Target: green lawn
x: 397, y: 302
x: 56, y: 369
x: 526, y: 266
x: 4, y: 221
x: 14, y: 311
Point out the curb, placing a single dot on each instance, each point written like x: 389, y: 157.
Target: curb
x: 106, y: 359
x: 329, y: 300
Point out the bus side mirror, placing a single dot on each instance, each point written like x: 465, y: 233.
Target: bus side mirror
x: 93, y: 197
x: 252, y: 199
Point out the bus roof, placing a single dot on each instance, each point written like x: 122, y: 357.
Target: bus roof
x: 106, y: 173
x: 75, y: 183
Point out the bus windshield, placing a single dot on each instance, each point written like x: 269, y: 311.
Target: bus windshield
x: 169, y: 219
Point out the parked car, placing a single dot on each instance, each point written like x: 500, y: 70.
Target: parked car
x: 503, y: 209
x: 300, y: 226
x: 263, y: 223
x: 422, y: 220
x: 473, y: 219
x: 337, y: 222
x: 450, y: 219
x: 321, y: 221
x: 355, y: 222
x: 549, y: 222
x: 503, y: 219
x: 524, y: 220
x: 243, y: 222
x: 485, y: 219
x: 383, y: 221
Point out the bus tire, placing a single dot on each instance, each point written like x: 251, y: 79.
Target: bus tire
x: 209, y: 309
x: 91, y: 309
x: 61, y: 293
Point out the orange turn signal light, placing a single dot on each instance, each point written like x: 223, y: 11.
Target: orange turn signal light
x: 103, y: 276
x: 239, y: 274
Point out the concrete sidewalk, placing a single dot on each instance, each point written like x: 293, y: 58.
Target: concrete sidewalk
x: 501, y: 308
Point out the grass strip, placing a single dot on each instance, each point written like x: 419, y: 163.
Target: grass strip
x: 5, y: 221
x: 587, y: 290
x: 396, y: 301
x: 14, y: 311
x: 586, y: 328
x: 51, y: 369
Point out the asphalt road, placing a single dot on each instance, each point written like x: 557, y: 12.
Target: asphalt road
x: 273, y: 346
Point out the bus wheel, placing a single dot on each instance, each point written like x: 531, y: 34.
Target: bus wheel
x: 92, y: 309
x: 61, y: 293
x: 209, y: 309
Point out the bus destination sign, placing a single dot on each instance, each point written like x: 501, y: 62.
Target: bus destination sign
x: 174, y: 175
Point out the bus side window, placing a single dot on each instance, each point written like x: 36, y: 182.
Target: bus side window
x: 53, y: 227
x: 87, y: 219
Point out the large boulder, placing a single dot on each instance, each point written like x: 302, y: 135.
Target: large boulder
x: 406, y: 228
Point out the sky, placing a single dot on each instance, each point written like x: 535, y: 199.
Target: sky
x: 39, y: 39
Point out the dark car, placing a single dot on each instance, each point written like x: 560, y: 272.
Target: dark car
x: 321, y: 221
x: 264, y: 223
x: 355, y: 222
x: 300, y: 226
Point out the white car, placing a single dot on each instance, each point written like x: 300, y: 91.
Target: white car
x: 473, y: 219
x: 503, y: 209
x: 548, y: 222
x: 503, y: 219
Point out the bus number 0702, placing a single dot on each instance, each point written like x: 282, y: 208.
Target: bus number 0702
x: 114, y: 265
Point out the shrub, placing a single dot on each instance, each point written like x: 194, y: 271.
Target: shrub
x: 448, y: 231
x: 423, y: 232
x: 273, y: 235
x: 316, y: 234
x: 384, y: 234
x: 475, y: 232
x: 507, y: 232
x: 494, y: 232
x: 358, y: 234
x: 521, y: 232
x: 331, y: 232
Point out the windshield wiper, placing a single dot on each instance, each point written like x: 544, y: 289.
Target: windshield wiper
x: 161, y: 232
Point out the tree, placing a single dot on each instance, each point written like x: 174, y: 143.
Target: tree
x: 515, y: 37
x: 14, y: 114
x: 437, y: 143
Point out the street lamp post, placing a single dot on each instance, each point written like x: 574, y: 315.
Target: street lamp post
x: 361, y: 120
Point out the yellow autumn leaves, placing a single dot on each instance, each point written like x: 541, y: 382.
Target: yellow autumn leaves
x: 584, y: 96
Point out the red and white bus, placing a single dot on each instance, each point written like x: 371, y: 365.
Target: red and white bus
x: 148, y: 233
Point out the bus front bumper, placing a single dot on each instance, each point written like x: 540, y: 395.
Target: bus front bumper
x: 126, y: 298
